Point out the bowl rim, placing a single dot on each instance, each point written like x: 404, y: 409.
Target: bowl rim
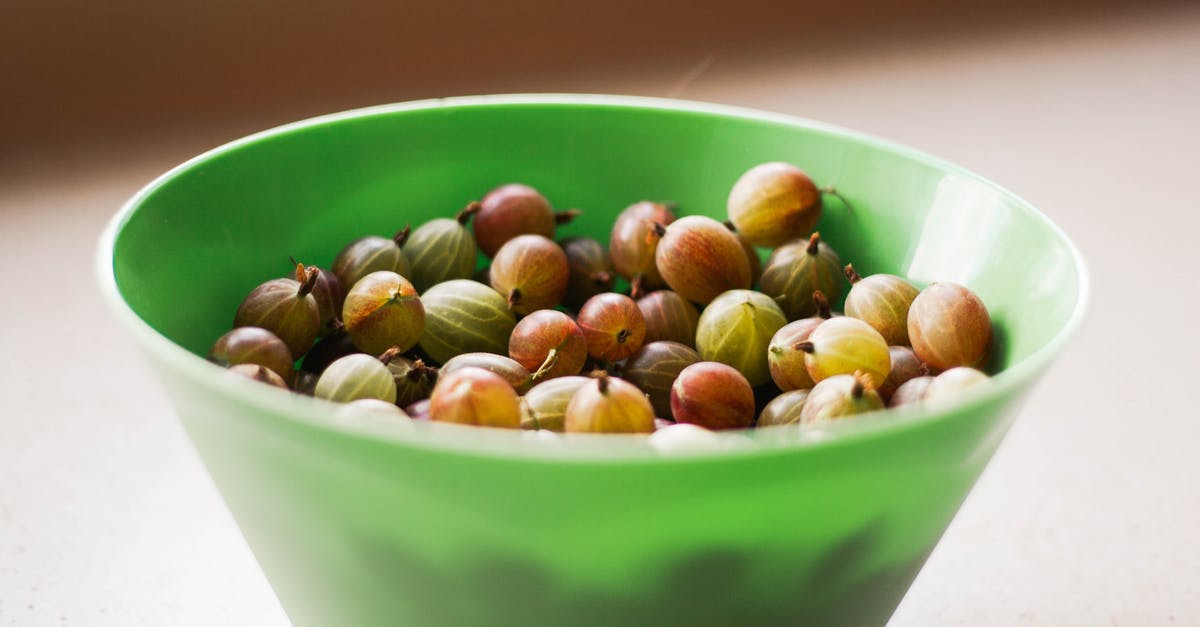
x: 287, y: 408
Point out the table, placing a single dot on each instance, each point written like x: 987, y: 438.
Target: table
x: 1086, y: 516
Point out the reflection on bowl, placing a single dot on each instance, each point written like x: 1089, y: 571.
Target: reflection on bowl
x: 446, y: 525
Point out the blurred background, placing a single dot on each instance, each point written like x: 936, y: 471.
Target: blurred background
x: 110, y: 75
x: 1089, y: 109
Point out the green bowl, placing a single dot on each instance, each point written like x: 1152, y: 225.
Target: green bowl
x: 445, y: 525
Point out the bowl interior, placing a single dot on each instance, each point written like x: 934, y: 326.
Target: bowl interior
x: 192, y: 245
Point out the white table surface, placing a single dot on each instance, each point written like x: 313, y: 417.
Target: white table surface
x: 1088, y: 515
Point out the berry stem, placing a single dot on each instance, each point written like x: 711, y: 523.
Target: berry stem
x: 419, y: 369
x: 514, y: 297
x: 805, y: 346
x: 602, y: 382
x: 659, y: 229
x: 729, y: 225
x: 862, y: 383
x: 401, y: 236
x: 637, y: 286
x: 390, y: 354
x: 471, y: 209
x: 814, y: 243
x: 565, y: 217
x: 307, y: 278
x: 832, y: 191
x: 601, y: 278
x: 551, y: 360
x: 824, y: 311
x: 852, y: 275
x: 751, y: 309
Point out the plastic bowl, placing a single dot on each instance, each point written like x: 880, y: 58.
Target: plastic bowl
x: 447, y: 525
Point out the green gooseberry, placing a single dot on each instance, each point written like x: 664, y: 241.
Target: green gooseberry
x: 442, y: 250
x: 372, y: 254
x: 797, y: 269
x: 356, y: 376
x: 840, y: 396
x: 736, y: 329
x: 784, y: 409
x: 464, y: 316
x: 544, y: 406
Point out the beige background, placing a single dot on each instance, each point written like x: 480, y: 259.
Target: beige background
x: 1087, y: 515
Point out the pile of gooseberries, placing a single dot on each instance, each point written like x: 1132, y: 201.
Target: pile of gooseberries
x: 675, y: 319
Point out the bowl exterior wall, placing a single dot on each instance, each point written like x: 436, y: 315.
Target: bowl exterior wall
x: 360, y: 532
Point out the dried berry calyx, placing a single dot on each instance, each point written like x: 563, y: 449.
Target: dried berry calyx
x: 414, y: 379
x: 799, y: 268
x: 328, y: 291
